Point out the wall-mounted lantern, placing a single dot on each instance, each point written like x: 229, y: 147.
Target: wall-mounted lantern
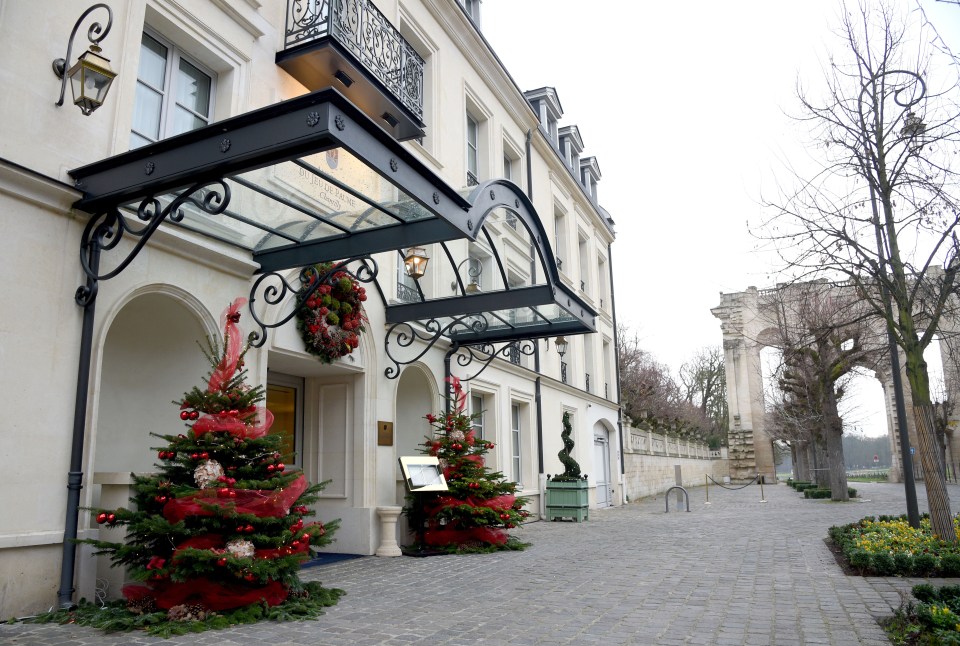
x: 91, y: 76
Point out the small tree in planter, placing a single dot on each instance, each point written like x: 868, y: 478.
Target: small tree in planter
x: 567, y: 492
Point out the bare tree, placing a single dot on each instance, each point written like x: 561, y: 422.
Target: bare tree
x: 646, y: 386
x: 650, y: 395
x: 823, y: 331
x: 704, y: 383
x: 882, y: 208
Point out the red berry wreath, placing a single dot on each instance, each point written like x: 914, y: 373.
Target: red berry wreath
x: 331, y: 319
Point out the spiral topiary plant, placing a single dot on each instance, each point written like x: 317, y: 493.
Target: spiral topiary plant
x: 571, y: 468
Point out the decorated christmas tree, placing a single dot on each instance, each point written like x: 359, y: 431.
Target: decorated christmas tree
x: 480, y: 506
x: 221, y: 526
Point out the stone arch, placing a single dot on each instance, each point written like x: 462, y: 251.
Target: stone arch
x: 604, y: 467
x: 417, y: 394
x: 746, y: 322
x: 148, y: 357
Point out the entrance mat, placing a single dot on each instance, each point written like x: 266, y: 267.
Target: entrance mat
x: 325, y: 558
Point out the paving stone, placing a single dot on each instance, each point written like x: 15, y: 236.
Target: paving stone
x: 733, y: 573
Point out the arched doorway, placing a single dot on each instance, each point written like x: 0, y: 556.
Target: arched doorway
x: 601, y: 467
x: 150, y: 358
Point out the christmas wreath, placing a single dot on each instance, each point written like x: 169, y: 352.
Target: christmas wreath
x: 330, y: 317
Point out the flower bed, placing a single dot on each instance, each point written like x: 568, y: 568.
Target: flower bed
x: 888, y: 546
x: 935, y: 619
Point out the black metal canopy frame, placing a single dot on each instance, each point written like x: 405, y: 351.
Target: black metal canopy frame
x: 301, y: 182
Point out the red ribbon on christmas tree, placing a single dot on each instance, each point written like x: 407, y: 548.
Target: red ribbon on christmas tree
x: 247, y: 501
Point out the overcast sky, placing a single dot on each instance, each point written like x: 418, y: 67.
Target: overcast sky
x: 683, y: 105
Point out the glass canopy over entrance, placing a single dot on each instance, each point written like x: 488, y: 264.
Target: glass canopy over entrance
x: 312, y: 180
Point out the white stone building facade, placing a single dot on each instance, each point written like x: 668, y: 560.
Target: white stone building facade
x: 184, y: 66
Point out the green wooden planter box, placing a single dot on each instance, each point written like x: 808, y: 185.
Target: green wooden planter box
x: 568, y: 500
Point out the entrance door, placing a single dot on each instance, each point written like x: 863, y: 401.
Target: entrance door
x: 601, y: 467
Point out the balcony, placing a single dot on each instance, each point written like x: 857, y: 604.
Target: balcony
x: 350, y: 45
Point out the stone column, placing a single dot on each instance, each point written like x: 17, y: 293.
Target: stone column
x: 388, y: 531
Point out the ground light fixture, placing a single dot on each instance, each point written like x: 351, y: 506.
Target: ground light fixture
x: 91, y: 76
x: 415, y: 262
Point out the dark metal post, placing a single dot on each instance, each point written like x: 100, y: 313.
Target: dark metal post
x: 906, y: 460
x: 86, y: 296
x: 616, y: 357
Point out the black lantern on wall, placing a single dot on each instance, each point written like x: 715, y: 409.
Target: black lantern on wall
x: 91, y: 76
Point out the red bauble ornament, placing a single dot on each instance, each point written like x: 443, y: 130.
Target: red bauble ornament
x: 223, y: 492
x: 239, y: 529
x: 111, y: 518
x: 249, y: 529
x: 184, y: 415
x: 101, y: 518
x: 249, y: 577
x: 162, y: 455
x: 205, y: 456
x: 194, y: 415
x: 194, y: 456
x: 271, y: 468
x: 281, y: 466
x: 221, y: 562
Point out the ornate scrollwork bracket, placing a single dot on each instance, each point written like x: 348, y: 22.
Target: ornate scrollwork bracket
x: 485, y: 353
x: 105, y: 231
x: 275, y: 288
x: 402, y: 351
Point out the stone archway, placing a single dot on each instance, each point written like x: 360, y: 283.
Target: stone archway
x: 745, y: 318
x: 149, y: 360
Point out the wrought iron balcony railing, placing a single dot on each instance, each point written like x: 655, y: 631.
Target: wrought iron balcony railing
x: 563, y: 371
x: 407, y: 294
x: 587, y: 381
x: 368, y: 36
x: 472, y: 179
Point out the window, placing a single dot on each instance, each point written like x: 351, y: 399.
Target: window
x: 476, y: 408
x: 507, y: 168
x: 560, y: 237
x: 473, y: 151
x: 285, y: 401
x: 174, y: 95
x: 582, y: 244
x: 515, y: 438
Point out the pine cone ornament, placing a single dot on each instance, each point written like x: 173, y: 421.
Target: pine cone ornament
x: 187, y: 612
x: 142, y: 606
x: 207, y: 473
x: 457, y: 436
x: 240, y: 548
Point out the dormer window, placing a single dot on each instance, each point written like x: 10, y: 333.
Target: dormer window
x: 472, y: 9
x: 547, y: 106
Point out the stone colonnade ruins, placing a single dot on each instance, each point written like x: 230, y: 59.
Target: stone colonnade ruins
x: 749, y: 323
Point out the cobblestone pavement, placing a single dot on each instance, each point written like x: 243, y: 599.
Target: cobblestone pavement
x: 734, y: 572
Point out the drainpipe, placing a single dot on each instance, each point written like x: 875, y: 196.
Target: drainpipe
x: 85, y: 297
x: 616, y: 362
x: 538, y: 402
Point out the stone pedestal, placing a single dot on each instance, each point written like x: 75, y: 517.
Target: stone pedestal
x: 388, y: 531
